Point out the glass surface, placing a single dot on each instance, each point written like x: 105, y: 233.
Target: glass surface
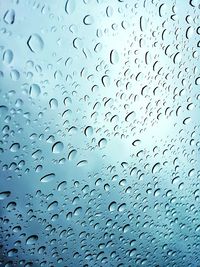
x: 99, y: 133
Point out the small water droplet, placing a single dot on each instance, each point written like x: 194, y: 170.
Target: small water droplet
x: 112, y: 206
x: 72, y: 154
x: 53, y: 103
x: 114, y: 57
x: 88, y: 20
x: 62, y: 186
x: 31, y: 240
x: 77, y: 211
x: 3, y: 111
x: 35, y: 43
x: 9, y: 16
x: 47, y: 178
x: 52, y: 206
x: 70, y: 6
x: 57, y: 147
x: 102, y: 143
x: 12, y: 252
x: 105, y: 80
x: 82, y: 163
x: 7, y: 56
x: 15, y: 147
x: 4, y: 195
x: 156, y: 168
x: 34, y: 90
x: 88, y: 131
x: 126, y: 228
x: 122, y: 207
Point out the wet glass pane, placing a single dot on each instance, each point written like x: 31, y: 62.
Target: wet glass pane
x: 99, y: 133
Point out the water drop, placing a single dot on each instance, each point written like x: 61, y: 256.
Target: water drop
x: 15, y: 147
x: 70, y: 6
x: 156, y: 168
x: 52, y: 206
x: 57, y: 147
x: 7, y: 56
x: 82, y: 163
x: 9, y: 16
x: 3, y: 111
x: 34, y: 90
x: 47, y: 178
x: 102, y: 143
x: 88, y: 20
x: 114, y: 57
x: 62, y: 186
x: 112, y: 206
x: 88, y: 131
x: 77, y: 211
x: 4, y: 195
x: 72, y: 154
x: 31, y: 240
x: 53, y: 103
x: 126, y: 228
x: 35, y: 43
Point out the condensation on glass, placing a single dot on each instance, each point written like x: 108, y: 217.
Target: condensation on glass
x: 99, y: 133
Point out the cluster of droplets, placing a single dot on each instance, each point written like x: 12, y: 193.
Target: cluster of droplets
x: 99, y: 137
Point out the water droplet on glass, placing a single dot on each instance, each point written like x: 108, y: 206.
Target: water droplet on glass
x: 4, y: 195
x: 70, y: 6
x: 8, y: 56
x: 47, y: 178
x: 112, y: 206
x: 62, y: 186
x: 88, y: 20
x: 15, y: 147
x: 34, y: 90
x: 102, y: 143
x: 35, y: 43
x: 114, y: 57
x: 9, y: 16
x: 88, y: 131
x: 82, y: 163
x: 72, y: 154
x: 31, y: 240
x: 57, y: 147
x: 53, y: 103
